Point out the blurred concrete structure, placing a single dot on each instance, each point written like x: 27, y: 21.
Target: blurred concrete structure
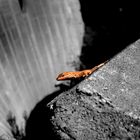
x: 36, y: 43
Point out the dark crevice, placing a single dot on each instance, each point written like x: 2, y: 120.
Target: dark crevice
x: 22, y: 5
x: 38, y: 124
x: 109, y: 28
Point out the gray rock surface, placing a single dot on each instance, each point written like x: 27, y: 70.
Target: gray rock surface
x: 105, y: 106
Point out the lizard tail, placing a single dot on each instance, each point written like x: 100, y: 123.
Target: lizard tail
x: 98, y: 66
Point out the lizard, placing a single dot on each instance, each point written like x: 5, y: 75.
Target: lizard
x: 69, y: 75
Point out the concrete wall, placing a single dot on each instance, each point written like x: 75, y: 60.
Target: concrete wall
x: 35, y: 45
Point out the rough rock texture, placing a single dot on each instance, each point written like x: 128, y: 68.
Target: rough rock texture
x: 38, y: 39
x: 105, y: 106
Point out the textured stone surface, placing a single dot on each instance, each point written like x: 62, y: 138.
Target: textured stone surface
x: 103, y: 106
x: 119, y: 81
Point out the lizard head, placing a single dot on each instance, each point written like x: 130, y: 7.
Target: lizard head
x: 65, y: 76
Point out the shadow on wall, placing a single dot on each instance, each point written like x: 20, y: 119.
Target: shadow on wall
x: 38, y: 125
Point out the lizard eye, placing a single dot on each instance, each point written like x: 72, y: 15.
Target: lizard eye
x: 62, y: 75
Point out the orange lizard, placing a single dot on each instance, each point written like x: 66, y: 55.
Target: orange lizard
x: 77, y: 74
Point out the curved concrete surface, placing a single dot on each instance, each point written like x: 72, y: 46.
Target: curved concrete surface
x: 36, y: 43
